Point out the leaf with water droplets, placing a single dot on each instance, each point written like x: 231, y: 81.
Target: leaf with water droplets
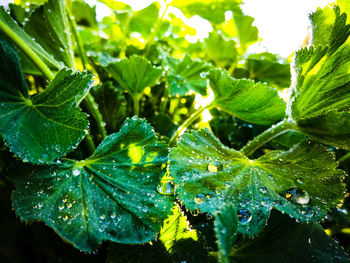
x: 43, y: 127
x: 49, y: 27
x: 254, y: 187
x: 225, y: 230
x: 112, y: 195
x: 321, y: 85
x: 252, y: 102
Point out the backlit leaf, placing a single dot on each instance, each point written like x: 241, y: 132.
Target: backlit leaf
x: 252, y: 102
x: 43, y: 127
x: 112, y: 195
x: 302, y: 182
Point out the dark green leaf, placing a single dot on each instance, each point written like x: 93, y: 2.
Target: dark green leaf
x: 112, y: 195
x: 7, y: 20
x: 223, y: 52
x: 252, y: 102
x: 285, y: 241
x: 302, y: 182
x: 184, y: 76
x: 134, y: 74
x: 321, y: 96
x: 48, y: 25
x: 43, y: 127
x: 225, y: 228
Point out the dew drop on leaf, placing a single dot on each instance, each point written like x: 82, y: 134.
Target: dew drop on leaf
x: 308, y: 212
x: 199, y: 199
x: 165, y: 188
x: 244, y: 216
x: 215, y: 167
x: 300, y: 180
x: 297, y: 195
x: 263, y: 189
x: 76, y: 171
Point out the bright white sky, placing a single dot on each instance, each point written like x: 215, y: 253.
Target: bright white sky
x: 282, y: 24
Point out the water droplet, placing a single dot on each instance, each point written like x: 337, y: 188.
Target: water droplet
x: 266, y: 202
x: 102, y: 217
x: 69, y: 205
x: 297, y: 195
x: 113, y: 215
x: 227, y: 183
x: 215, y: 167
x: 165, y: 188
x: 199, y: 199
x: 61, y: 207
x: 263, y: 189
x: 308, y: 212
x: 244, y: 216
x: 300, y: 180
x: 65, y: 218
x: 76, y: 171
x: 145, y: 209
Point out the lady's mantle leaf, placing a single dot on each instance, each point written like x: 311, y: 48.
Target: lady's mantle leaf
x: 226, y: 229
x: 252, y: 102
x: 302, y: 182
x: 184, y: 75
x: 134, y: 74
x: 44, y: 127
x: 321, y: 97
x: 112, y: 195
x: 48, y: 25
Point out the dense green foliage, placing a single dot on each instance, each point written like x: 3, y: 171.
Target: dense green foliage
x: 95, y: 120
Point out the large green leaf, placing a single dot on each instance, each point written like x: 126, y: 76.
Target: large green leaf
x: 252, y: 102
x: 211, y: 10
x: 219, y: 50
x: 247, y: 33
x: 43, y: 127
x: 285, y: 241
x: 302, y: 182
x: 143, y: 21
x: 321, y: 96
x: 226, y: 229
x: 184, y: 75
x: 112, y: 195
x: 7, y: 21
x: 48, y: 25
x: 134, y: 74
x: 84, y: 14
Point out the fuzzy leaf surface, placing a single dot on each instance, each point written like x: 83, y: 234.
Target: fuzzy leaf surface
x: 112, y: 195
x: 43, y: 127
x: 252, y: 102
x: 303, y: 182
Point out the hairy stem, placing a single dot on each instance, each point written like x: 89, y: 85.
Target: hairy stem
x: 28, y: 51
x: 136, y: 100
x: 187, y: 123
x: 89, y: 142
x: 268, y: 135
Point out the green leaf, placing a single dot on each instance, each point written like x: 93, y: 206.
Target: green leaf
x: 211, y: 10
x: 115, y: 5
x: 48, y: 25
x: 225, y: 228
x: 321, y: 96
x: 43, y: 127
x: 84, y: 14
x: 112, y: 195
x: 7, y: 21
x: 302, y: 182
x: 267, y: 67
x: 184, y: 75
x: 284, y: 240
x: 223, y: 52
x: 143, y: 21
x: 252, y: 102
x: 175, y: 228
x: 247, y: 33
x: 134, y: 74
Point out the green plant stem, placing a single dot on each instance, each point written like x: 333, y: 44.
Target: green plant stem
x: 187, y: 123
x: 136, y: 100
x: 89, y: 100
x: 28, y: 51
x: 158, y: 25
x: 89, y: 142
x: 165, y: 101
x: 344, y: 157
x: 267, y: 136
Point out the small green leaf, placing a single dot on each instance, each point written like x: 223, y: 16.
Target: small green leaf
x: 226, y: 229
x: 252, y: 102
x: 175, y: 228
x: 12, y: 26
x: 219, y: 50
x: 284, y: 240
x: 115, y: 5
x: 184, y: 76
x: 48, y: 25
x: 321, y: 96
x: 247, y: 33
x: 134, y: 74
x: 211, y: 10
x: 43, y: 127
x: 112, y: 195
x: 84, y: 14
x: 302, y: 182
x: 143, y: 21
